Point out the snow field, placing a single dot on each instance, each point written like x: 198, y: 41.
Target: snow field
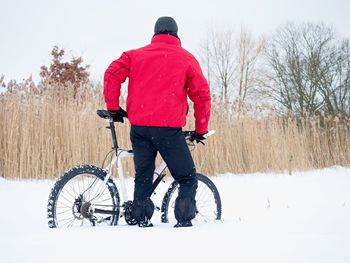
x: 267, y: 217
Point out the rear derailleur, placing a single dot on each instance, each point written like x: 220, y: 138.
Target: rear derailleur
x: 85, y: 210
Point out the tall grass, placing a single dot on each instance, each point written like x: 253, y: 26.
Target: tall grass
x: 43, y: 135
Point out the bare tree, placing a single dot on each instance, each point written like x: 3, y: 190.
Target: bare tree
x: 310, y: 69
x: 335, y: 82
x: 249, y: 51
x: 231, y: 63
x: 218, y: 56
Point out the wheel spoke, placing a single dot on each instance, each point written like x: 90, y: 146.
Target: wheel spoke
x: 69, y: 201
x: 68, y: 218
x: 72, y: 187
x: 207, y: 205
x: 104, y: 200
x: 68, y: 192
x: 72, y: 194
x: 65, y: 211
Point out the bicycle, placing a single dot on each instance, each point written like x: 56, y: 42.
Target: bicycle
x: 87, y: 195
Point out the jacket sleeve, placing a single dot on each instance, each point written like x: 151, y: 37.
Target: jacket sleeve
x: 198, y: 92
x: 115, y: 75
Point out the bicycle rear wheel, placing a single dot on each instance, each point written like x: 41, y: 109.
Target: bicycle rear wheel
x: 82, y: 198
x: 208, y: 202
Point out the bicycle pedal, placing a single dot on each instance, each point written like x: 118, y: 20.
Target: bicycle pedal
x: 157, y: 208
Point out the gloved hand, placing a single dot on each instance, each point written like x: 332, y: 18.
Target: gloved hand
x: 118, y: 115
x: 198, y: 137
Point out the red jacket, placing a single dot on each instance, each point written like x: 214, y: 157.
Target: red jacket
x: 161, y: 75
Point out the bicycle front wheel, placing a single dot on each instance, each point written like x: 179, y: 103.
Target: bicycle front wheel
x: 82, y: 198
x: 208, y: 201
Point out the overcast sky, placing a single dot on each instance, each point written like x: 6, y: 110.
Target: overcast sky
x: 100, y: 30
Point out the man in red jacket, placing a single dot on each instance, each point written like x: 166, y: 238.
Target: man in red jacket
x: 161, y: 77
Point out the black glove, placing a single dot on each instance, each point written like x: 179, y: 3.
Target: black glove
x: 118, y: 115
x: 198, y: 137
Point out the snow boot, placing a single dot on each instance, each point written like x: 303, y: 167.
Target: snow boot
x: 145, y: 223
x: 184, y: 224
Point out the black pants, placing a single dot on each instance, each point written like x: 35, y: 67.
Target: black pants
x: 171, y: 144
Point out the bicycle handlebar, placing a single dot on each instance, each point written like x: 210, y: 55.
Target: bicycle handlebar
x: 188, y: 134
x: 107, y: 115
x: 209, y: 133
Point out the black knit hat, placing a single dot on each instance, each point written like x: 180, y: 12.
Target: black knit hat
x: 165, y: 25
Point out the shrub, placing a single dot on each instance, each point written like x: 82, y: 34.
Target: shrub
x: 65, y: 74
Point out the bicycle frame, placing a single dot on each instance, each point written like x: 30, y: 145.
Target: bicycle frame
x: 117, y: 160
x: 120, y: 154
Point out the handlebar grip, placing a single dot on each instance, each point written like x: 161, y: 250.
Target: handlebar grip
x: 209, y: 133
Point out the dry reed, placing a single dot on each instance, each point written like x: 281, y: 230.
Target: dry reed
x: 41, y: 136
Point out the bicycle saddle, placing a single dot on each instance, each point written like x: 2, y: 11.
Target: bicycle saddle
x: 104, y: 114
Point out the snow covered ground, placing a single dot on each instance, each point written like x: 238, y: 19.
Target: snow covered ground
x: 266, y: 218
